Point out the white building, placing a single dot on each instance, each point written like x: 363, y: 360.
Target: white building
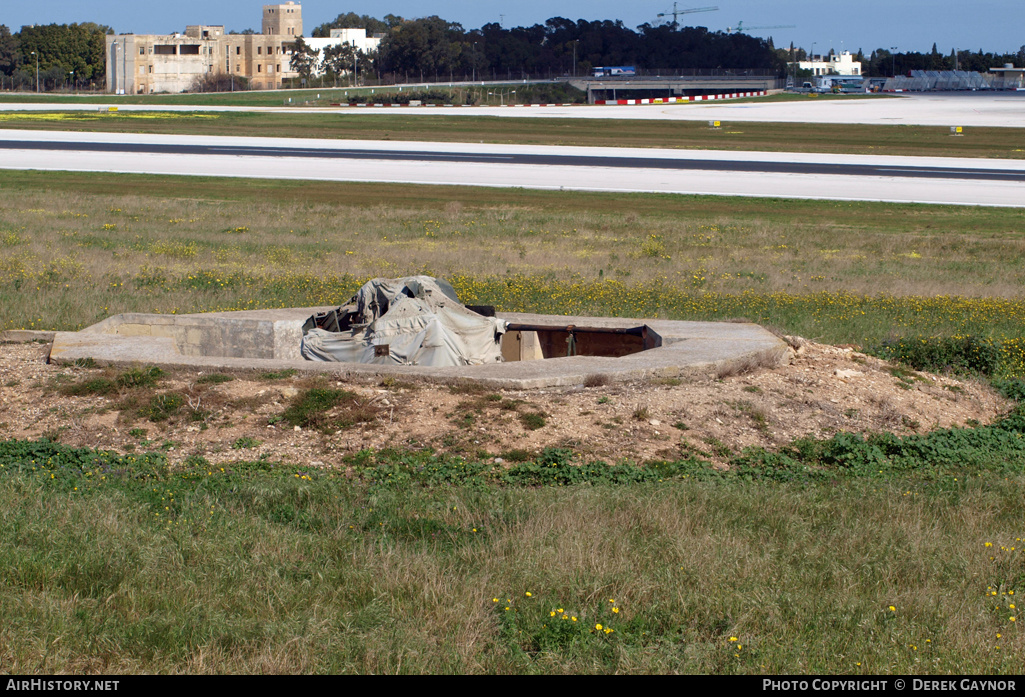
x: 842, y: 63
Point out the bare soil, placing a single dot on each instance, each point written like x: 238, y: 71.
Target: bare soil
x: 825, y: 389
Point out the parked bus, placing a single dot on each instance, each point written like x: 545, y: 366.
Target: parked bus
x: 614, y: 71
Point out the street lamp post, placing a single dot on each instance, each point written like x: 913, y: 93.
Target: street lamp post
x: 474, y: 67
x: 893, y: 60
x: 575, y: 42
x: 37, y: 70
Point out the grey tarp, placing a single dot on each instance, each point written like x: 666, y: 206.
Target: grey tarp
x: 418, y: 318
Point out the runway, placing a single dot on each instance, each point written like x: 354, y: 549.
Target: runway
x: 974, y: 109
x: 787, y: 175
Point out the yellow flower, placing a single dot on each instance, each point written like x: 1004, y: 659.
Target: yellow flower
x: 893, y: 609
x: 1013, y: 619
x: 575, y: 619
x: 528, y: 594
x: 733, y: 638
x: 494, y: 600
x: 598, y: 627
x: 552, y: 613
x: 989, y: 544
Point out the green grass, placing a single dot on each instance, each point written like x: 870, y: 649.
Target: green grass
x: 789, y: 137
x: 83, y: 247
x: 118, y: 565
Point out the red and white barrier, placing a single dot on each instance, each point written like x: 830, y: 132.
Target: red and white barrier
x: 680, y: 100
x: 606, y: 102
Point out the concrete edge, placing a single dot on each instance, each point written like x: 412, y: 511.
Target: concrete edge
x: 24, y: 336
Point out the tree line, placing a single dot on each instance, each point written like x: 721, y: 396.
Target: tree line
x: 54, y: 56
x: 885, y: 62
x: 432, y: 48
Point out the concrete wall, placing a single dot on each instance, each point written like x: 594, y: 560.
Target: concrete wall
x: 212, y: 336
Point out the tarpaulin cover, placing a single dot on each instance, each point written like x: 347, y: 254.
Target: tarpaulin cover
x: 407, y: 321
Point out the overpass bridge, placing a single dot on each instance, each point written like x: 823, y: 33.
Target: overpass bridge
x: 676, y: 84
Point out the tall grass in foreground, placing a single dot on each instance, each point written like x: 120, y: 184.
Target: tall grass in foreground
x: 234, y: 572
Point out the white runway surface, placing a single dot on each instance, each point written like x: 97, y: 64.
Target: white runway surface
x: 542, y: 176
x: 1004, y: 109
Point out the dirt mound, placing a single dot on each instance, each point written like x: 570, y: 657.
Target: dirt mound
x: 824, y: 390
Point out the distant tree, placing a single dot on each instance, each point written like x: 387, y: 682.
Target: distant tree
x: 8, y: 51
x: 63, y: 48
x: 431, y: 46
x: 244, y: 32
x: 304, y: 58
x: 338, y: 60
x: 351, y: 20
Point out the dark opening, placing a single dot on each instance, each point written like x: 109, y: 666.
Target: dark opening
x: 189, y: 50
x: 165, y: 49
x: 570, y: 340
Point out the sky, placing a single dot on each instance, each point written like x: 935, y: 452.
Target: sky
x: 910, y: 25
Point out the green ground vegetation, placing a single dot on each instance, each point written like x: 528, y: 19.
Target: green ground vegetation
x: 825, y: 138
x: 854, y: 554
x: 75, y: 248
x: 898, y: 555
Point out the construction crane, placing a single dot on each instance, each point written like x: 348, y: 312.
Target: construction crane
x: 740, y: 28
x: 676, y: 13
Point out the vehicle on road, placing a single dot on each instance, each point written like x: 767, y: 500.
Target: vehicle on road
x: 614, y: 71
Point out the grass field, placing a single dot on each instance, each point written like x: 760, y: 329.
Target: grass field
x: 75, y: 248
x: 117, y: 565
x: 843, y: 556
x: 1004, y: 143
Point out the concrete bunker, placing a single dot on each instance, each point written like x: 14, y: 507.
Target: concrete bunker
x: 512, y: 350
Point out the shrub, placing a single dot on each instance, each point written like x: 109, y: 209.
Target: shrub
x: 214, y: 379
x: 163, y: 406
x: 533, y: 420
x: 1012, y: 388
x: 966, y: 354
x: 326, y: 409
